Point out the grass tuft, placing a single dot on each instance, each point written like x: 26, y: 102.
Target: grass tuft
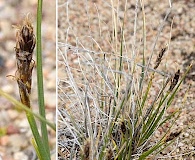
x: 110, y: 107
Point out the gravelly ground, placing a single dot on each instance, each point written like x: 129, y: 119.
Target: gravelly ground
x: 81, y: 22
x: 15, y: 144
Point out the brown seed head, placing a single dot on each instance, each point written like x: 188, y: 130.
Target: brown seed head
x: 25, y: 38
x: 109, y: 154
x: 174, y: 80
x: 123, y: 127
x: 86, y: 150
x: 159, y: 58
x: 25, y: 43
x: 172, y: 135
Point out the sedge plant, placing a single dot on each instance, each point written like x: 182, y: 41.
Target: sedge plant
x: 108, y: 111
x: 25, y: 44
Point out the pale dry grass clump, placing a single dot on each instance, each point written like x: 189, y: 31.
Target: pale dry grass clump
x: 110, y: 107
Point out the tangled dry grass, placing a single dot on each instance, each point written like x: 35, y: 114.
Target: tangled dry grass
x: 87, y: 55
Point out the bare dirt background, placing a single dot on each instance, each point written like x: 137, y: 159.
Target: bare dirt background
x: 81, y: 20
x: 15, y: 133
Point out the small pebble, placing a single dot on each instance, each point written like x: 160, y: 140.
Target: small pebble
x: 20, y: 156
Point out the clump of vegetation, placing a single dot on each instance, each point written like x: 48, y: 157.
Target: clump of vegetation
x: 111, y: 111
x: 25, y: 44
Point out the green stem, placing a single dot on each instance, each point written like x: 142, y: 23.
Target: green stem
x: 144, y: 47
x: 25, y: 108
x: 39, y: 142
x: 40, y: 78
x: 36, y: 148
